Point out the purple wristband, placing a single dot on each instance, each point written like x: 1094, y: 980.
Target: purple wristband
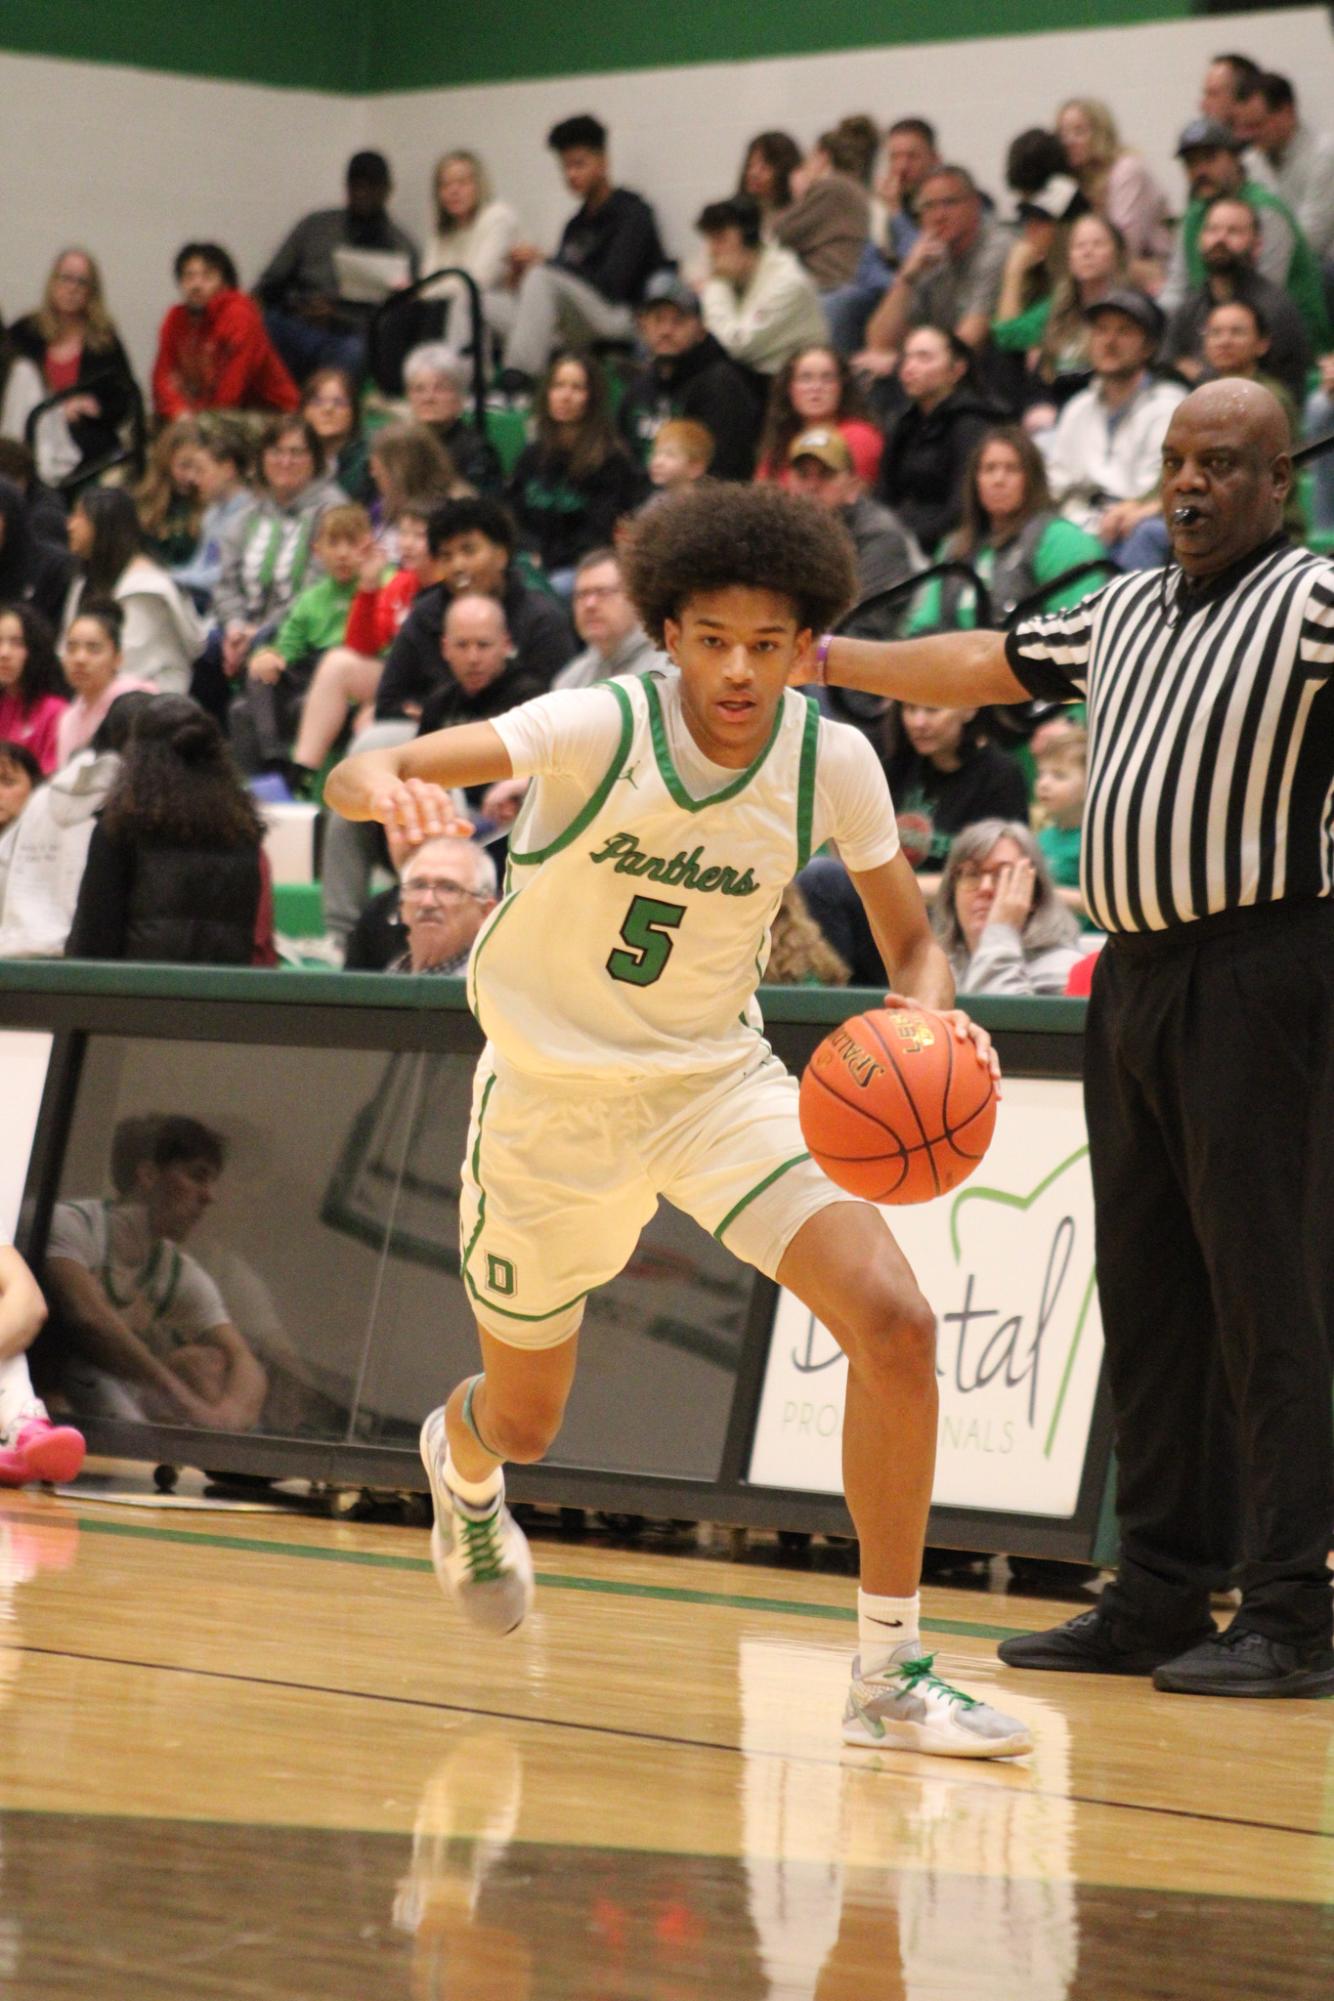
x: 822, y: 657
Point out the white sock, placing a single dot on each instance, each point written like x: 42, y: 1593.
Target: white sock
x: 18, y: 1403
x: 887, y: 1626
x: 476, y: 1493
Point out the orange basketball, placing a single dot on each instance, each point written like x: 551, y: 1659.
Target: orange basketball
x: 895, y: 1108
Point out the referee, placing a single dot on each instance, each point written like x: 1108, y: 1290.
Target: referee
x: 1208, y: 858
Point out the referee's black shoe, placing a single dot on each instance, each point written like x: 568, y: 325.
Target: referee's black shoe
x: 1098, y: 1643
x: 1243, y: 1662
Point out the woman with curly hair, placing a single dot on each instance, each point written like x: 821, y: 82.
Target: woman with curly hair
x: 33, y: 692
x: 625, y: 1061
x: 816, y: 389
x: 570, y: 487
x: 175, y: 868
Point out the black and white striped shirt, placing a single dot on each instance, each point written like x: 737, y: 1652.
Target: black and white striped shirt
x: 1211, y: 735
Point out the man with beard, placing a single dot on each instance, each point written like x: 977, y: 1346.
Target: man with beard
x: 1229, y: 243
x: 690, y: 374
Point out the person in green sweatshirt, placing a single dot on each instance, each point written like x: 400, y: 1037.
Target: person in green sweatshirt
x: 265, y: 713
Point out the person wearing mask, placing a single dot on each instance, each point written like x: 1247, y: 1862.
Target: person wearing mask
x: 435, y: 380
x: 1004, y: 928
x: 757, y: 302
x: 71, y: 342
x: 1229, y: 244
x: 575, y: 481
x: 474, y: 232
x: 33, y: 692
x: 614, y: 640
x: 31, y: 571
x: 926, y: 457
x: 162, y: 634
x: 447, y: 890
x: 690, y: 375
x: 213, y: 350
x: 607, y: 252
x: 175, y: 868
x: 317, y: 314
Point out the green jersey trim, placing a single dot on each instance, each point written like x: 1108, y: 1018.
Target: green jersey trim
x: 480, y: 1224
x: 758, y: 1189
x: 669, y: 774
x: 589, y: 812
x: 810, y: 747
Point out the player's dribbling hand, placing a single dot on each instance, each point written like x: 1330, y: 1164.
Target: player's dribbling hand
x: 964, y: 1027
x: 421, y: 810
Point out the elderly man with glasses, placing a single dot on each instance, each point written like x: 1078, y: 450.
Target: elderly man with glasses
x: 446, y: 892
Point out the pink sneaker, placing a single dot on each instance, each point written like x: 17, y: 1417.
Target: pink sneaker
x: 49, y: 1451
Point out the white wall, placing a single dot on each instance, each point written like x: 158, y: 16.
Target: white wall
x: 132, y: 162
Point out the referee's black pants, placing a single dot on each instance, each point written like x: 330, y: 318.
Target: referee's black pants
x: 1209, y: 1092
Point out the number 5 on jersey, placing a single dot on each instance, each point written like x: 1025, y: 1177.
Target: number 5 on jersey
x: 646, y: 931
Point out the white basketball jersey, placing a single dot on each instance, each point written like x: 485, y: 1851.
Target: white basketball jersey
x: 630, y: 946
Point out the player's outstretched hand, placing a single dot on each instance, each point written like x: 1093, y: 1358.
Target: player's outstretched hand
x: 419, y: 809
x: 964, y: 1027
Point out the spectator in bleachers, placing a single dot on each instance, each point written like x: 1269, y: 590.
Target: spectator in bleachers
x: 828, y: 224
x: 997, y: 914
x: 213, y: 350
x: 816, y: 386
x: 799, y: 953
x: 1033, y: 269
x: 1095, y: 263
x: 474, y: 232
x: 447, y: 890
x: 71, y: 342
x: 1034, y: 158
x: 690, y: 375
x: 167, y: 497
x: 1060, y: 756
x: 264, y: 716
x: 435, y: 379
x: 329, y: 406
x: 614, y: 640
x: 317, y: 314
x: 1299, y: 162
x: 1319, y: 422
x: 1236, y: 343
x: 20, y: 775
x: 33, y: 694
x: 1103, y: 455
x: 608, y: 251
x: 95, y: 673
x: 31, y: 571
x: 950, y: 278
x: 485, y: 675
x: 1116, y: 183
x: 1228, y: 244
x: 176, y: 867
x: 682, y: 453
x: 266, y: 550
x: 44, y: 508
x: 573, y: 483
x: 1229, y: 81
x: 770, y: 161
x: 1011, y: 534
x: 42, y: 858
x: 221, y: 480
x: 926, y: 457
x: 162, y: 634
x: 911, y: 154
x: 1211, y: 156
x: 821, y: 466
x: 407, y: 460
x: 757, y: 302
x: 348, y: 675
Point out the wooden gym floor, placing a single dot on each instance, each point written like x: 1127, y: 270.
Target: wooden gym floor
x: 247, y: 1756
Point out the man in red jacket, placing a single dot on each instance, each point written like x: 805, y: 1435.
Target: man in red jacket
x: 213, y: 351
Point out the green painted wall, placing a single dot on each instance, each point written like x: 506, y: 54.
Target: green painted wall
x: 353, y: 46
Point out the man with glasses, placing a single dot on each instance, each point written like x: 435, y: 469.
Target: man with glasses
x: 448, y: 889
x: 614, y: 640
x: 950, y: 278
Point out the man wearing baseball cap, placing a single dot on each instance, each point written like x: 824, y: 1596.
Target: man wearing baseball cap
x: 1103, y: 460
x: 820, y: 466
x: 1211, y: 154
x: 690, y: 374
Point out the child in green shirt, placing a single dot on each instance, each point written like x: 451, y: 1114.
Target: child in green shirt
x: 1060, y: 754
x: 279, y: 673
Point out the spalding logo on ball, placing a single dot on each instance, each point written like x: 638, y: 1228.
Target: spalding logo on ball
x: 895, y: 1108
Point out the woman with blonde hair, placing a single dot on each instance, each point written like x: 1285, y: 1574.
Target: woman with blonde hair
x: 70, y: 341
x: 1117, y: 184
x: 167, y: 498
x: 476, y: 233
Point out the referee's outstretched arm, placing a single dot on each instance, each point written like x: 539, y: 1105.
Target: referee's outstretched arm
x: 950, y: 670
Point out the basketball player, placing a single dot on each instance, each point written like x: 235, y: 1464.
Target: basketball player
x: 625, y: 1056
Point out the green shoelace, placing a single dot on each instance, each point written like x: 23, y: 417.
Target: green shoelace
x: 481, y: 1546
x: 922, y: 1670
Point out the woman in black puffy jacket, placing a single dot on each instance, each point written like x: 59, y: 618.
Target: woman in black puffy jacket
x: 176, y: 869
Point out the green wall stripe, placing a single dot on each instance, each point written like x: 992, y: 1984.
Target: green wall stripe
x: 341, y: 46
x: 605, y: 1587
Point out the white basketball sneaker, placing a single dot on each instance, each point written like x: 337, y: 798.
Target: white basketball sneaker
x: 481, y: 1555
x: 905, y: 1706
